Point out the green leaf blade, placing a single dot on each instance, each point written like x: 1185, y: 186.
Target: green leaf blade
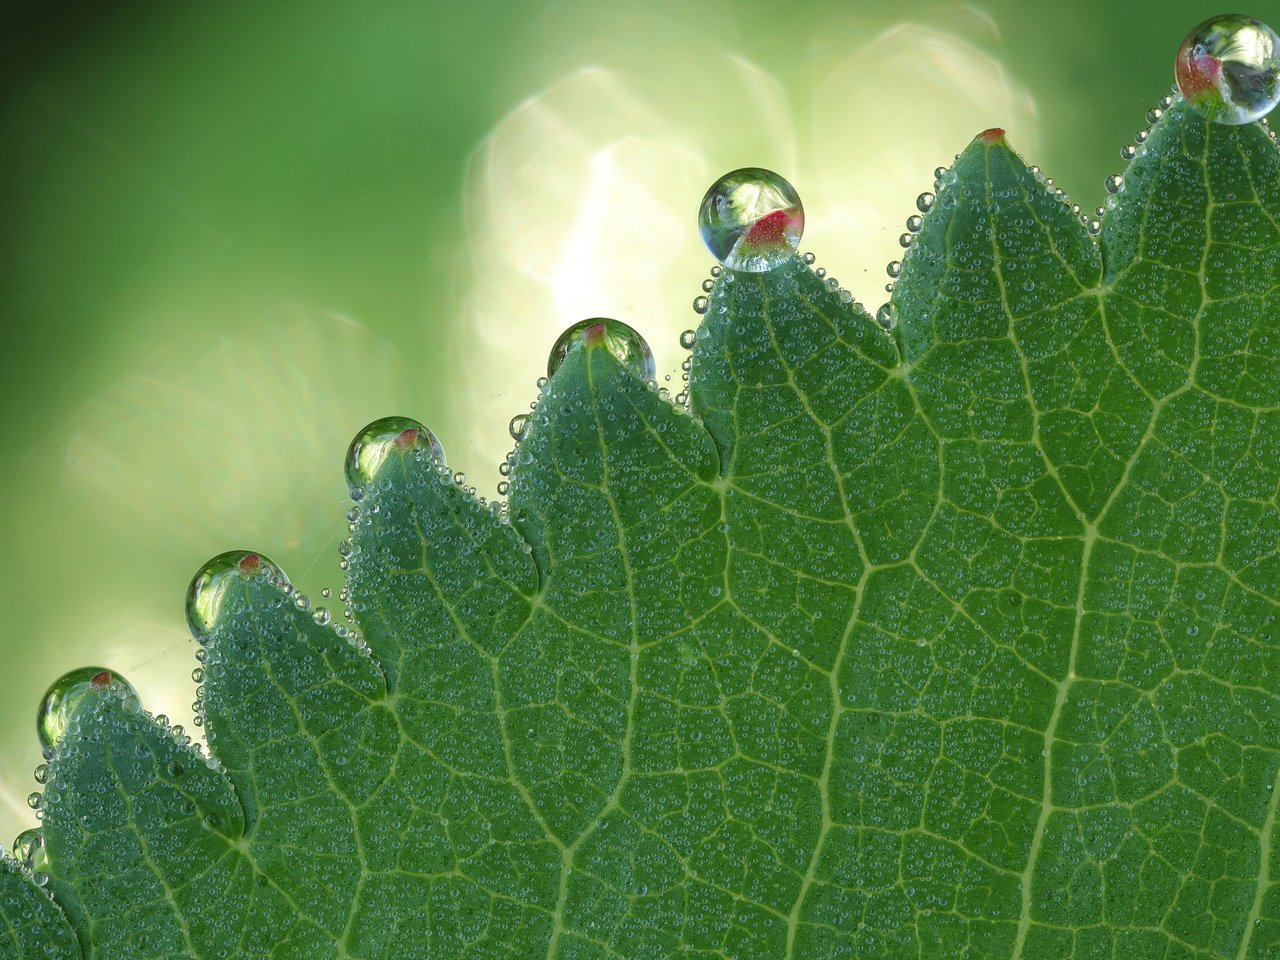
x: 34, y: 927
x: 954, y: 640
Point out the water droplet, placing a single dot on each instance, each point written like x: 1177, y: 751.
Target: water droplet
x: 1114, y: 183
x: 905, y: 240
x: 939, y: 173
x: 915, y: 222
x: 884, y: 316
x: 67, y: 695
x: 41, y: 774
x: 700, y: 304
x: 751, y: 219
x: 809, y: 258
x: 924, y: 202
x: 379, y: 441
x: 1128, y: 152
x: 1094, y: 227
x: 894, y: 269
x: 1228, y: 68
x: 627, y: 346
x: 27, y: 846
x: 688, y: 339
x: 215, y: 578
x: 518, y: 426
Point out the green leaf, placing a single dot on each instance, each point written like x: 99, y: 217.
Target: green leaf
x: 32, y: 926
x: 950, y: 642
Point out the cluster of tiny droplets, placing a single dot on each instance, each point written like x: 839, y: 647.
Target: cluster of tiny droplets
x: 689, y: 338
x: 28, y: 846
x: 914, y: 224
x: 517, y: 428
x: 1114, y: 184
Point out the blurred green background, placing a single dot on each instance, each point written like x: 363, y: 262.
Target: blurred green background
x: 234, y: 232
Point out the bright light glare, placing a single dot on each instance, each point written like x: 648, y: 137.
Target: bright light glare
x: 583, y: 200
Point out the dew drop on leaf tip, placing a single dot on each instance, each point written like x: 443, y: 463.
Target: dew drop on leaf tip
x: 751, y: 220
x: 211, y: 583
x: 626, y: 345
x: 28, y: 846
x: 69, y: 693
x: 381, y: 441
x: 1228, y: 69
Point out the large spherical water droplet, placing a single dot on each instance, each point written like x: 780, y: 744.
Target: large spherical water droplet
x: 751, y: 219
x: 619, y: 339
x: 380, y: 442
x: 210, y: 585
x: 68, y: 694
x: 27, y: 846
x: 1228, y: 68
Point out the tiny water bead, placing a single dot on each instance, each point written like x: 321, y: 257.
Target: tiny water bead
x: 381, y: 440
x: 1228, y: 68
x: 751, y: 219
x: 626, y: 345
x: 68, y: 694
x: 210, y: 585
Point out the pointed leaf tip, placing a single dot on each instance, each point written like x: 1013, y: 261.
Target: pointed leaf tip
x: 992, y: 136
x: 594, y: 334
